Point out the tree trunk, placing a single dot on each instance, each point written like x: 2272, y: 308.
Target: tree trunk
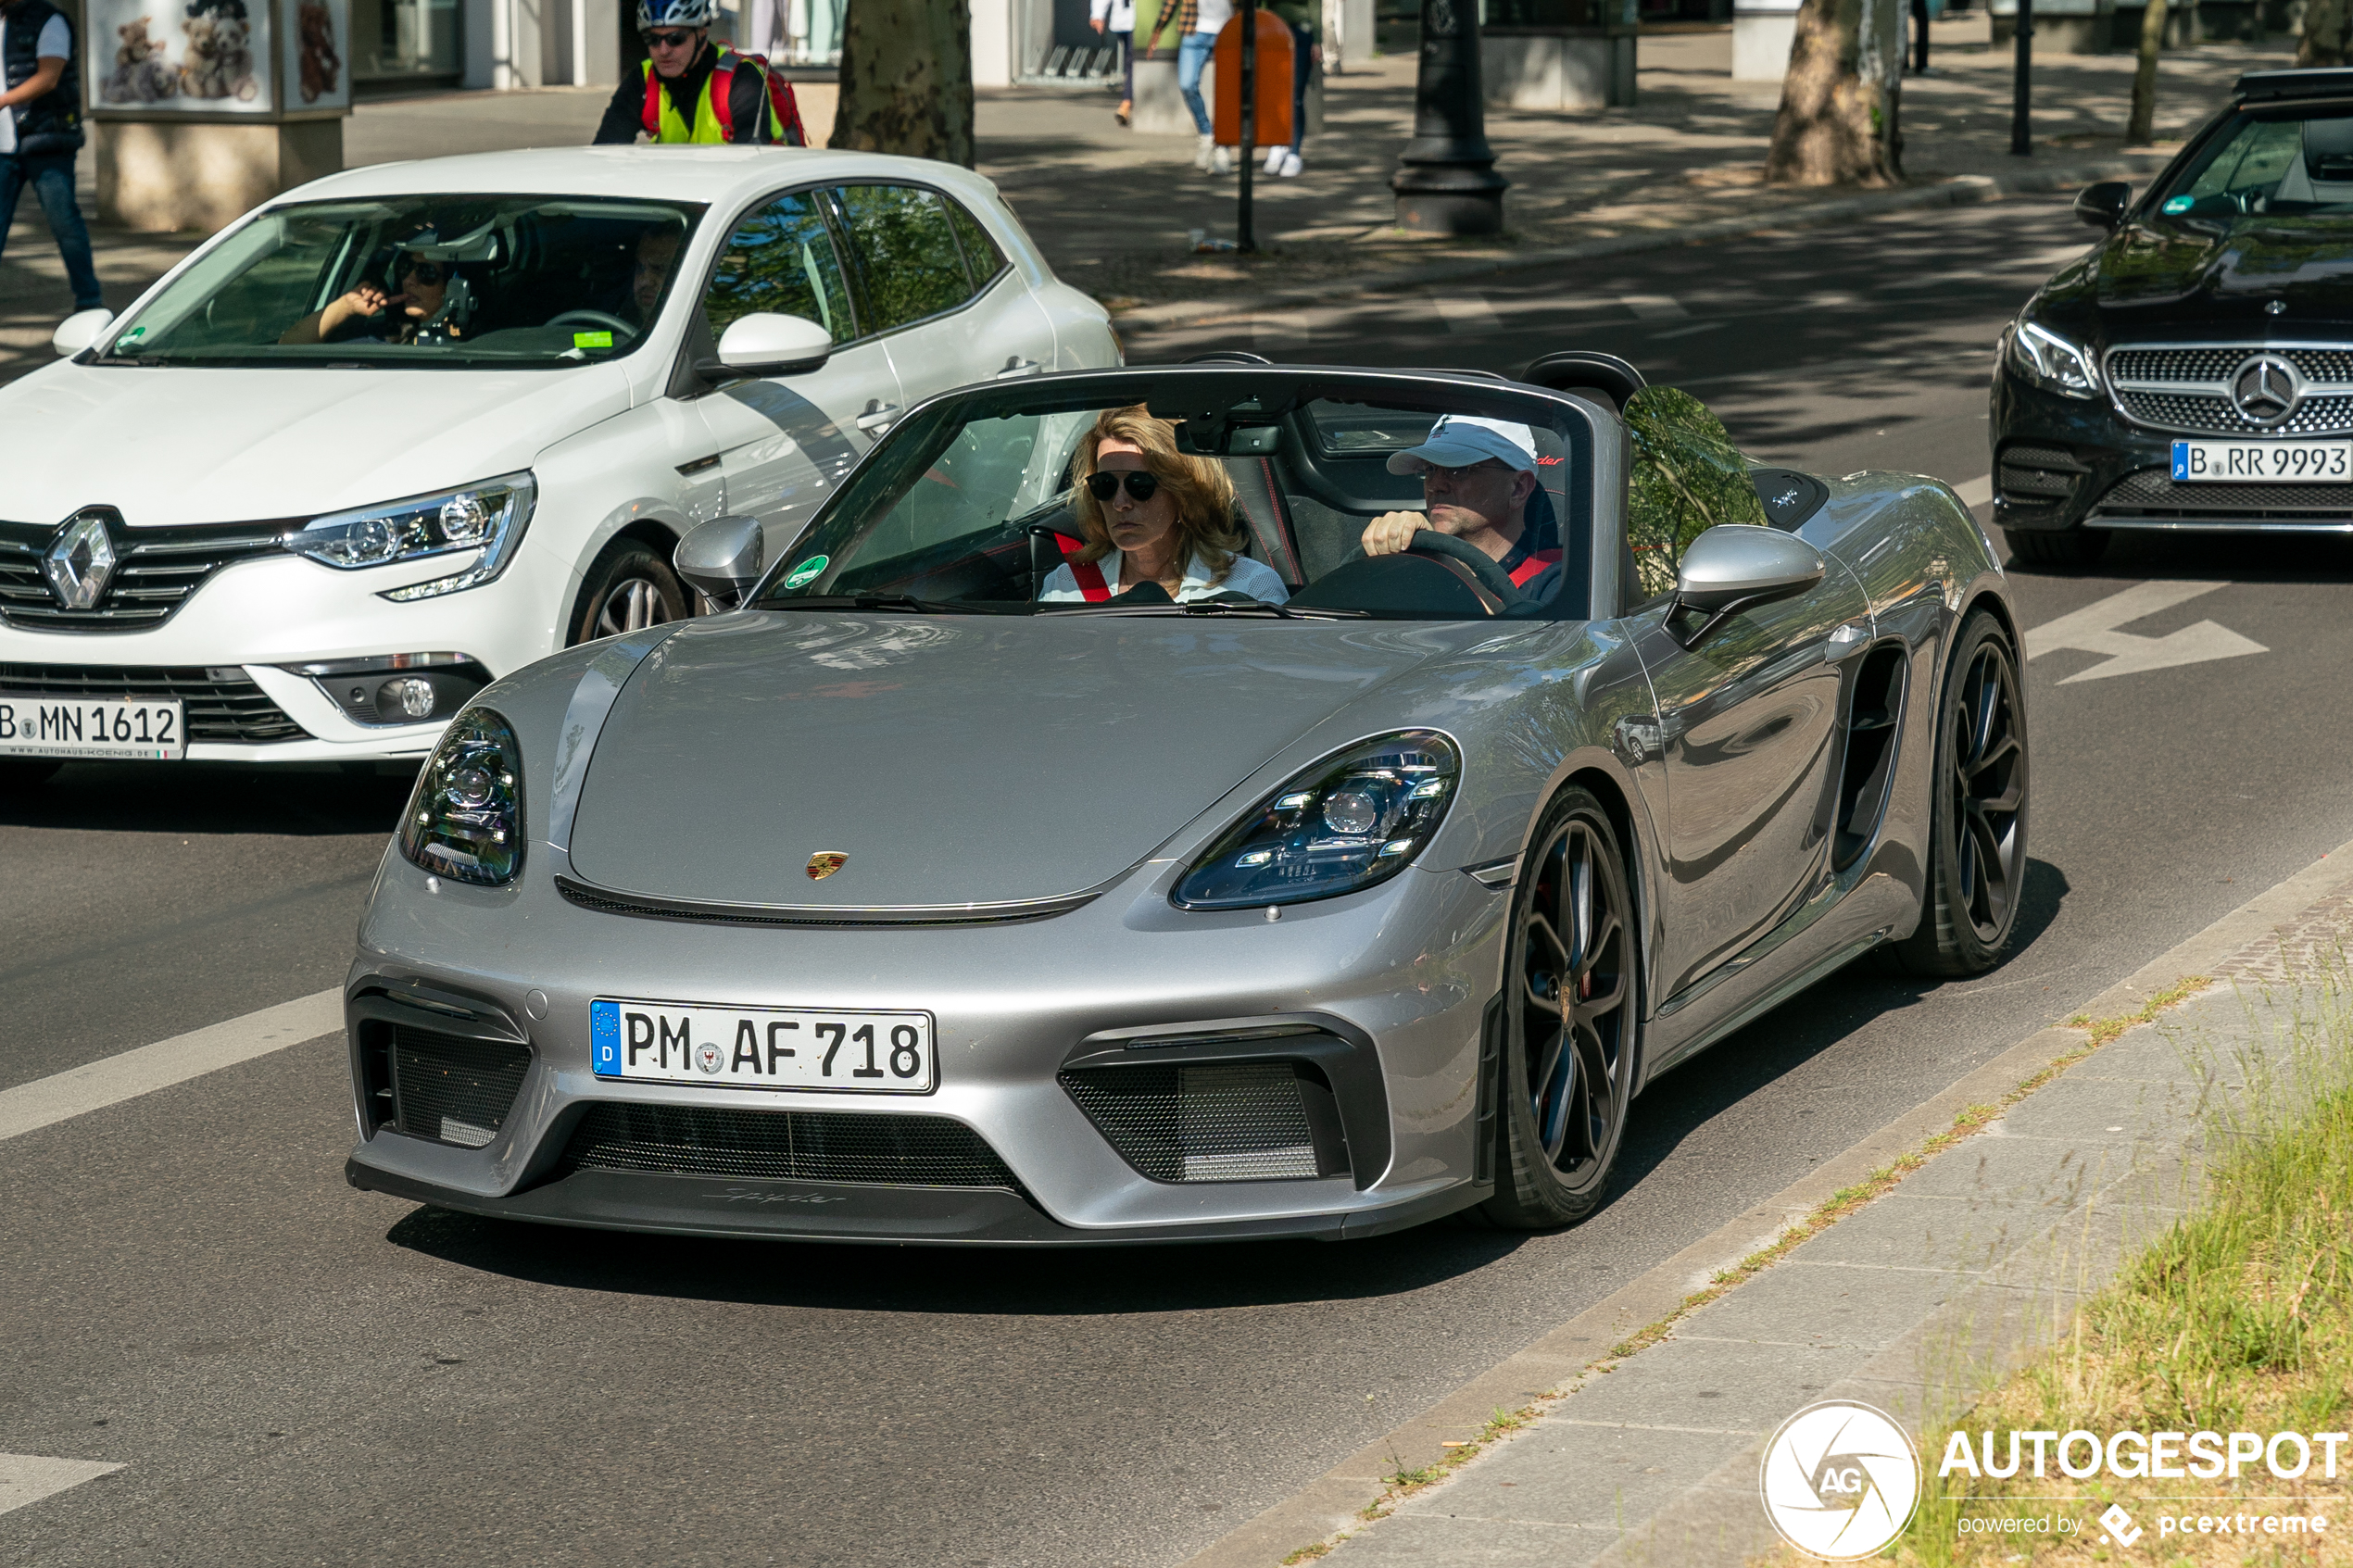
x: 907, y: 78
x: 2141, y: 131
x: 2327, y: 22
x: 1837, y: 119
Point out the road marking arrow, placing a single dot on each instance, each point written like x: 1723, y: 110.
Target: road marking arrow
x: 27, y: 1479
x: 2093, y: 629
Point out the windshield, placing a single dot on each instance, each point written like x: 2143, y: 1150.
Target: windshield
x: 1300, y: 504
x: 2272, y: 161
x: 421, y: 282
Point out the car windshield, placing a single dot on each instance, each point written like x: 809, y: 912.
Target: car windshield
x: 1202, y: 494
x: 419, y: 281
x: 2274, y: 160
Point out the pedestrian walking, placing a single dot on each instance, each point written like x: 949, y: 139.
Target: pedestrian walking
x: 1199, y: 22
x: 41, y: 131
x: 1299, y: 17
x: 1116, y: 21
x: 1919, y: 37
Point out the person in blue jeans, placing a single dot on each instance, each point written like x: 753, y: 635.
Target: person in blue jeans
x: 41, y: 131
x: 1202, y: 21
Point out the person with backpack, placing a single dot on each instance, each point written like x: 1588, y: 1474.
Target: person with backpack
x: 41, y: 131
x: 693, y: 90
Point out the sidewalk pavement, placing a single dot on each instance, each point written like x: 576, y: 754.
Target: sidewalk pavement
x: 1917, y: 1303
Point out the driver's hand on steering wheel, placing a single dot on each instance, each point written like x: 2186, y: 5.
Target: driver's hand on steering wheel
x: 1390, y: 534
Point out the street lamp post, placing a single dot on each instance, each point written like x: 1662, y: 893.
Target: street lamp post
x: 2021, y: 124
x: 1446, y: 182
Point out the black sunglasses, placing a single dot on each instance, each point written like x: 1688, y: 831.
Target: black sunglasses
x: 670, y: 40
x: 423, y: 272
x: 1140, y: 485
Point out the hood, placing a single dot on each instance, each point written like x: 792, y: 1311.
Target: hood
x: 954, y: 761
x: 2226, y: 272
x: 178, y: 446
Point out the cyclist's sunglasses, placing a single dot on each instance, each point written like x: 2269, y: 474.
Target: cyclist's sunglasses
x: 669, y: 39
x: 1140, y: 485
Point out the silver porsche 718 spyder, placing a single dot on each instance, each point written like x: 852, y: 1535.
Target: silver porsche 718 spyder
x: 913, y: 898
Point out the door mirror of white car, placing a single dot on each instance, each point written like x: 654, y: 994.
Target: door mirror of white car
x: 1736, y: 565
x: 765, y: 343
x: 79, y: 331
x: 721, y: 559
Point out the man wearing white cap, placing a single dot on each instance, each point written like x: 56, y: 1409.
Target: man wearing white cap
x: 1479, y: 477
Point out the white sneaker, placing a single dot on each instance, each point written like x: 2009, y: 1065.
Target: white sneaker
x: 1201, y: 152
x: 1292, y: 164
x: 1275, y: 157
x: 1221, y: 160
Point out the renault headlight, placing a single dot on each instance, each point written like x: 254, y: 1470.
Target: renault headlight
x: 488, y: 518
x: 2050, y: 361
x: 465, y: 820
x: 1351, y: 821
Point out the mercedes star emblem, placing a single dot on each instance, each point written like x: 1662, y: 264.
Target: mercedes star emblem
x: 81, y: 560
x: 2265, y: 389
x: 824, y: 863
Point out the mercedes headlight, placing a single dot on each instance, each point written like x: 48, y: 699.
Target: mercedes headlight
x: 486, y: 518
x: 1349, y: 823
x: 2050, y: 361
x: 465, y: 820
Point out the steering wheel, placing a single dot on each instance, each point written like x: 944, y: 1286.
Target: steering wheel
x: 1491, y: 576
x: 591, y: 319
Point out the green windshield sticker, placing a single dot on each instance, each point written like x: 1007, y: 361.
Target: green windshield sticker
x: 807, y: 571
x: 135, y: 331
x: 2180, y: 204
x: 592, y: 340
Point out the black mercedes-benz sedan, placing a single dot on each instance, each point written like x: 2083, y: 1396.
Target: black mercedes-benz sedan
x: 2195, y: 369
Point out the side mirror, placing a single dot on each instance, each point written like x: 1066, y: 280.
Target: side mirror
x: 721, y: 559
x: 79, y: 331
x: 1738, y: 565
x: 2102, y: 206
x: 765, y: 343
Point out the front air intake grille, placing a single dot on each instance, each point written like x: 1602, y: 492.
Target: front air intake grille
x: 157, y: 570
x: 224, y: 707
x: 1210, y: 1122
x: 453, y: 1090
x: 2038, y: 476
x: 2151, y: 493
x: 808, y: 1146
x: 2188, y: 388
x: 2213, y: 366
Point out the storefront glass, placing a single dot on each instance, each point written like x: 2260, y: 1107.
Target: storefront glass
x: 401, y: 40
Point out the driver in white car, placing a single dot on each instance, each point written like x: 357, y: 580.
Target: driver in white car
x: 1479, y: 477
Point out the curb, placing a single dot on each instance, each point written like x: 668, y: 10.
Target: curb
x: 1330, y: 1504
x: 1967, y: 190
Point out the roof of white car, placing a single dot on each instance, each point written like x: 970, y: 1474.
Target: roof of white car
x: 697, y: 174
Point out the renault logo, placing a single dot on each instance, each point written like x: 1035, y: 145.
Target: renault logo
x: 2266, y: 390
x: 824, y: 863
x: 81, y: 560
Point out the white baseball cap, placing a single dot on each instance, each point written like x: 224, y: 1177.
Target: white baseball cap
x: 1457, y: 440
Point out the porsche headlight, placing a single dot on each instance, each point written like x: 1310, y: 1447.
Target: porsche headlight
x: 465, y: 820
x: 2050, y: 361
x: 1351, y: 821
x: 489, y: 518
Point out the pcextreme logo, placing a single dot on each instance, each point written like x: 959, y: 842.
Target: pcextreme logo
x: 1840, y: 1480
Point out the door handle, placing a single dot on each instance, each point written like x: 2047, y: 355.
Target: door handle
x: 1017, y: 366
x: 878, y: 417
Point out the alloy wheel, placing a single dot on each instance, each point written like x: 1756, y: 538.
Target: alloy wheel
x: 631, y: 605
x: 1575, y: 995
x: 1988, y: 786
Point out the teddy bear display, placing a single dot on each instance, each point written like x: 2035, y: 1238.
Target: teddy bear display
x: 320, y: 64
x: 219, y: 62
x: 141, y: 73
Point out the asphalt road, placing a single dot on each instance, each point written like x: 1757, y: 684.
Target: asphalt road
x: 292, y: 1373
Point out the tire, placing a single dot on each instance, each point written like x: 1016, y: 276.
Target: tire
x: 2063, y: 547
x: 22, y: 775
x: 1561, y: 1110
x: 1977, y: 812
x: 629, y: 587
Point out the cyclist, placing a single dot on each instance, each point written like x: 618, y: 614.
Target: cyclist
x: 693, y: 90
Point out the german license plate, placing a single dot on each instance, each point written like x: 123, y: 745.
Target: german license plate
x: 35, y: 725
x: 886, y: 1053
x: 2291, y: 462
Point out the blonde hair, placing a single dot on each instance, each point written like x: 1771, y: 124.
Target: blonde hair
x: 1202, y: 493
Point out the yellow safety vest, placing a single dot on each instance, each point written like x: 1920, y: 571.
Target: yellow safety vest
x: 714, y: 120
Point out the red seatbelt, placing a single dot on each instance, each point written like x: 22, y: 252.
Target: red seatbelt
x: 1086, y: 574
x: 1534, y: 567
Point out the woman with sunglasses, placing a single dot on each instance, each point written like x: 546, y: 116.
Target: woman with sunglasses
x: 423, y: 286
x: 1153, y: 515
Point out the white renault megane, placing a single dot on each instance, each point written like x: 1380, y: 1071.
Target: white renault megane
x: 411, y: 427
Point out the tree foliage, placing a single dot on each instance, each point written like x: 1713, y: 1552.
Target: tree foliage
x: 1687, y: 477
x: 907, y: 78
x: 2328, y: 32
x: 1838, y: 115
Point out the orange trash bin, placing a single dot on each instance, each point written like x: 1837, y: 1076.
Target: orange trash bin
x: 1272, y: 125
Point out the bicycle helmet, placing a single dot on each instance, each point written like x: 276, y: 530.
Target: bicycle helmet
x: 652, y: 14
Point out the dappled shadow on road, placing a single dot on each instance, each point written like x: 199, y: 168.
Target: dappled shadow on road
x: 210, y: 798
x: 2214, y: 558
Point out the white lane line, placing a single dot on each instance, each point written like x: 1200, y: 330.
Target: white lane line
x: 111, y: 1079
x: 2093, y: 629
x: 1975, y: 492
x: 1468, y: 311
x: 1685, y: 332
x: 27, y: 1479
x: 1654, y: 306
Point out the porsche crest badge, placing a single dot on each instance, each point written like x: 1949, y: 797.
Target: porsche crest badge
x: 824, y: 863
